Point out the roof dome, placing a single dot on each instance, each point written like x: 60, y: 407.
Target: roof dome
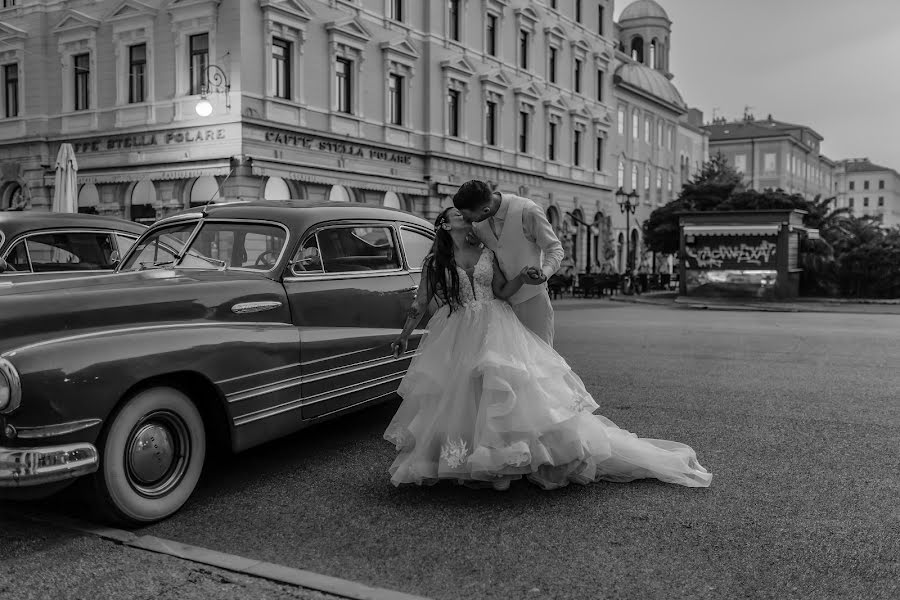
x: 642, y: 9
x: 651, y: 82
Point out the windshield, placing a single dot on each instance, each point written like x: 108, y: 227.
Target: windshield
x: 218, y: 245
x: 159, y: 248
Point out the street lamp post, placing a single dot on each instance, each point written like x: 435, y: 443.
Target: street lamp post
x: 628, y: 203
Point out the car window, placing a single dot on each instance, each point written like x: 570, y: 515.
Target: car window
x: 160, y: 246
x: 235, y: 245
x: 18, y: 258
x: 308, y: 259
x: 70, y: 251
x: 125, y: 243
x: 345, y: 249
x: 417, y: 245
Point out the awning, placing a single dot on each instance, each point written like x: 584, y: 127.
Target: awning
x: 154, y: 173
x: 731, y: 229
x: 264, y: 168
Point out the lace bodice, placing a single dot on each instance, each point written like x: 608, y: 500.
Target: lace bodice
x: 483, y: 276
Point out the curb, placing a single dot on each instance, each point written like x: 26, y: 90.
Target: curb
x: 343, y: 588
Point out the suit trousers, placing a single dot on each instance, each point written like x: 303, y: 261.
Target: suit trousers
x: 537, y: 315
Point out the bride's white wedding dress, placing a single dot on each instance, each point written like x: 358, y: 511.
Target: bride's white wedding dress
x: 486, y: 400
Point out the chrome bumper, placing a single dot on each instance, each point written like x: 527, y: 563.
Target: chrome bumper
x: 22, y: 467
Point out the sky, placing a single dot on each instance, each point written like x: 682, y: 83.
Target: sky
x: 833, y: 65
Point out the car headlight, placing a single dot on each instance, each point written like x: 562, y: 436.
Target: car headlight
x: 10, y: 387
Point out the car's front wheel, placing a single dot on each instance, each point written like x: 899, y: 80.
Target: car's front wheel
x: 151, y: 455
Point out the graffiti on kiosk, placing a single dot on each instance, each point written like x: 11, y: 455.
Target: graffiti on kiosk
x: 760, y: 253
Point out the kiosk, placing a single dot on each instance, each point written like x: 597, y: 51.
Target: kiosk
x: 741, y: 253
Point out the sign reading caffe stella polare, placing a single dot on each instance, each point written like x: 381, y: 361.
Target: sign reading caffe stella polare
x: 344, y: 148
x: 150, y: 140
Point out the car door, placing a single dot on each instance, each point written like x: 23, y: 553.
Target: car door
x: 349, y: 292
x: 417, y: 243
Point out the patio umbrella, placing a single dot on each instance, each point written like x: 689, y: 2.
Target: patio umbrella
x: 65, y: 197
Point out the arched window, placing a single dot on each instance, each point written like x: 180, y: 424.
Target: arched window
x: 88, y: 199
x: 637, y: 48
x: 141, y: 206
x: 339, y: 193
x: 634, y: 177
x: 392, y: 200
x: 12, y: 196
x: 621, y: 173
x: 277, y: 189
x: 204, y: 191
x: 553, y: 217
x: 654, y: 54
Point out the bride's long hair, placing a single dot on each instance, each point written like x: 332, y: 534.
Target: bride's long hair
x: 440, y: 265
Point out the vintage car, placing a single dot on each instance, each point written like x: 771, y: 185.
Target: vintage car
x: 224, y: 327
x: 42, y: 245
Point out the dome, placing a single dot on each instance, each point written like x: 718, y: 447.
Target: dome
x: 650, y: 81
x: 642, y: 9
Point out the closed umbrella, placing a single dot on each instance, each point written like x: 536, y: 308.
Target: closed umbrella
x: 65, y: 198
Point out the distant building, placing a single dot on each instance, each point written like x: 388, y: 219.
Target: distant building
x: 693, y: 146
x: 774, y: 154
x: 868, y: 190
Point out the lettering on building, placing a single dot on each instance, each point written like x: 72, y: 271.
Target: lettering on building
x: 344, y: 149
x: 147, y: 140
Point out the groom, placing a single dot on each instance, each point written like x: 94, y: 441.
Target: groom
x: 518, y: 233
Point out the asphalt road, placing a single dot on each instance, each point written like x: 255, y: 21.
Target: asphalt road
x: 796, y: 414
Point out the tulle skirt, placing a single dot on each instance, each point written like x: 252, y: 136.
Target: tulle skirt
x: 486, y: 401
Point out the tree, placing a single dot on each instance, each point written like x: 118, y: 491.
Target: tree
x: 708, y: 189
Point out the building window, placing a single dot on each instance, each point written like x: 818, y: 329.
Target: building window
x: 490, y: 123
x: 82, y: 63
x: 578, y: 11
x: 395, y: 98
x: 599, y: 85
x: 600, y: 15
x: 881, y: 184
x: 865, y: 202
x: 523, y: 49
x: 852, y: 185
x: 670, y: 141
x: 523, y: 131
x: 621, y: 121
x: 552, y: 66
x: 344, y: 85
x: 454, y: 20
x: 137, y: 72
x: 492, y: 35
x: 281, y: 67
x: 647, y: 181
x: 577, y: 76
x: 453, y: 112
x: 769, y: 162
x: 880, y: 200
x: 553, y: 4
x: 647, y: 131
x: 659, y: 133
x: 576, y: 148
x: 9, y: 3
x: 620, y: 179
x: 396, y: 10
x: 740, y: 163
x: 551, y: 142
x: 199, y: 49
x: 598, y: 165
x: 850, y: 202
x: 11, y: 89
x: 866, y: 184
x: 635, y: 125
x: 634, y: 177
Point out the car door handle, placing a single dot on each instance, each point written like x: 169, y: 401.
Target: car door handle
x: 254, y: 307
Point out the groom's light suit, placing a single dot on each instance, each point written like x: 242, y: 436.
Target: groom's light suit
x: 520, y: 236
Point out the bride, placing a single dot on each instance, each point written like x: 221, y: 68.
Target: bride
x: 486, y: 401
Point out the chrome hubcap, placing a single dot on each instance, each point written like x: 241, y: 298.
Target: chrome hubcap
x: 157, y: 453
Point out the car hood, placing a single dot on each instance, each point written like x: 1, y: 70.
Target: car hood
x: 38, y: 310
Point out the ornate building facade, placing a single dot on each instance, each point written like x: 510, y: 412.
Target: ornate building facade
x: 173, y: 103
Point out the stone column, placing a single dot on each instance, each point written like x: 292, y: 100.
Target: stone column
x: 241, y: 184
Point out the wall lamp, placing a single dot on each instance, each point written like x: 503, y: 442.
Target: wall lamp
x: 216, y: 81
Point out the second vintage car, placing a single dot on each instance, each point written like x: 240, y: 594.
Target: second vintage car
x: 41, y: 245
x: 227, y: 326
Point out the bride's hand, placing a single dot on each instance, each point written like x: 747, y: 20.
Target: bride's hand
x: 398, y: 346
